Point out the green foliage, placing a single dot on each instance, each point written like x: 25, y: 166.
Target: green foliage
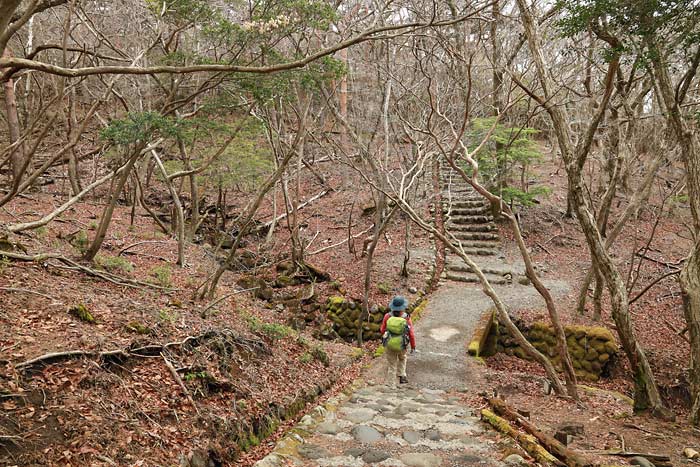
x: 306, y: 357
x: 528, y: 198
x: 507, y: 155
x: 272, y: 330
x: 302, y: 341
x: 4, y: 263
x: 246, y: 162
x: 319, y: 354
x: 161, y: 275
x: 137, y: 127
x: 191, y: 376
x: 384, y: 288
x: 167, y: 315
x: 181, y: 11
x: 80, y: 241
x: 114, y: 263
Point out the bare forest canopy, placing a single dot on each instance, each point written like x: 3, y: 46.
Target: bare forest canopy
x: 178, y: 108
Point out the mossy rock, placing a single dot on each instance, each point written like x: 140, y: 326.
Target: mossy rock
x: 577, y: 353
x: 138, y: 328
x: 81, y: 312
x: 550, y: 339
x: 510, y: 351
x: 377, y: 317
x: 571, y: 342
x: 541, y: 327
x: 335, y: 301
x: 520, y: 353
x: 596, y: 367
x: 601, y: 333
x: 611, y: 347
x: 286, y: 281
x: 599, y: 347
x: 604, y: 357
x: 541, y: 346
x: 576, y: 364
x: 586, y: 365
x: 592, y: 354
x: 587, y: 376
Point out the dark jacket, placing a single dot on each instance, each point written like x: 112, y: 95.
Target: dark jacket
x: 405, y: 316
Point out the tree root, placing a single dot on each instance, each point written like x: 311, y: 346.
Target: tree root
x: 70, y: 264
x: 148, y: 351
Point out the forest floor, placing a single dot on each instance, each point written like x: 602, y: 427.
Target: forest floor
x: 244, y: 364
x: 133, y: 411
x: 649, y: 247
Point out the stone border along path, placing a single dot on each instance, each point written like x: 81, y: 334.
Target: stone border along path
x: 421, y: 424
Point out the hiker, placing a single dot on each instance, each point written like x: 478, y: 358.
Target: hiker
x: 397, y: 332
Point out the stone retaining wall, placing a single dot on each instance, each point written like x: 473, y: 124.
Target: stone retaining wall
x: 593, y: 349
x: 346, y: 315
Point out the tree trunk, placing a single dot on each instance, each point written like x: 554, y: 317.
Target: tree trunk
x: 106, y: 219
x: 179, y: 213
x: 646, y: 392
x: 690, y: 275
x: 17, y: 156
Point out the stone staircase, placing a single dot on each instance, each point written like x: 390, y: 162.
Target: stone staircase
x: 468, y: 217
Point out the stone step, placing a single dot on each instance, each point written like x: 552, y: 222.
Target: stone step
x: 472, y: 278
x: 464, y: 190
x: 471, y: 227
x: 476, y: 203
x: 460, y: 266
x: 480, y: 243
x: 484, y: 210
x: 471, y: 219
x: 477, y: 236
x: 481, y: 251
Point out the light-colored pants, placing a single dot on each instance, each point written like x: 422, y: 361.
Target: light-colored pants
x: 396, y: 365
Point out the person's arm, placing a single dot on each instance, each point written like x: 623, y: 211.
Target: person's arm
x: 382, y: 329
x: 411, y: 335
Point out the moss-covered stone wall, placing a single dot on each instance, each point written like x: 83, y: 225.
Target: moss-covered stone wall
x: 593, y: 349
x: 346, y: 315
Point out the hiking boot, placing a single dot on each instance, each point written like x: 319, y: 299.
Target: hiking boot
x: 403, y: 380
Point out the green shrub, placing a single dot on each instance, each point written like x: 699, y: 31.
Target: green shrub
x: 320, y: 355
x: 168, y: 316
x: 272, y: 330
x: 114, y: 263
x: 302, y: 341
x: 4, y: 263
x: 306, y: 357
x: 80, y: 241
x: 384, y: 288
x: 162, y: 275
x: 196, y: 375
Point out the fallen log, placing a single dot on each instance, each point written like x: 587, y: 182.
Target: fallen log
x: 529, y: 443
x: 652, y: 457
x: 566, y: 455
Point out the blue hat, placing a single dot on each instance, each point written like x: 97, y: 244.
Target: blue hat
x: 398, y: 303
